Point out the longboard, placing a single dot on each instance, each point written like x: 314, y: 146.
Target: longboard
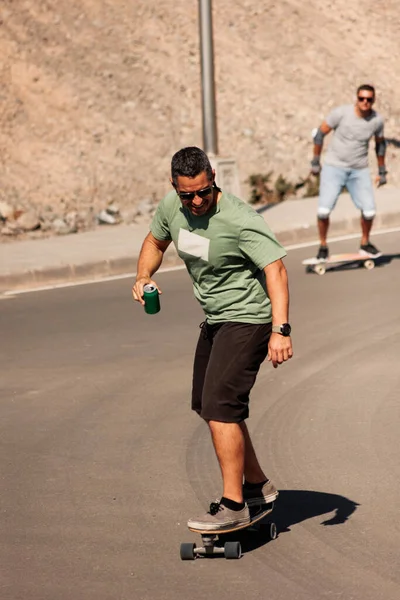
x: 189, y: 551
x: 316, y: 265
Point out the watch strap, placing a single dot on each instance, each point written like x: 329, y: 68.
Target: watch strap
x: 283, y: 329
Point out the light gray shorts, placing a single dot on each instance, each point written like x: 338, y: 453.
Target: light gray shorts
x: 358, y: 183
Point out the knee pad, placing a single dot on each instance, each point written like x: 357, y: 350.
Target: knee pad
x: 368, y: 215
x: 323, y: 214
x: 318, y: 137
x: 380, y: 148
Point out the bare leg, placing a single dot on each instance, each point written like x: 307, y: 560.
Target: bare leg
x: 366, y: 226
x: 323, y: 226
x: 252, y: 470
x: 229, y: 445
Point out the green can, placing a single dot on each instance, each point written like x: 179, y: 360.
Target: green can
x: 151, y: 299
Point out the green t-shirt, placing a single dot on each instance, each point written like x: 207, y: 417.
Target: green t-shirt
x: 225, y: 252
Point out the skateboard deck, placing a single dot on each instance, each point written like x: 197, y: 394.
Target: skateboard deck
x: 315, y: 265
x: 190, y: 551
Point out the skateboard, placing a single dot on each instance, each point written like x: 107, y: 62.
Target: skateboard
x: 230, y: 550
x: 315, y: 265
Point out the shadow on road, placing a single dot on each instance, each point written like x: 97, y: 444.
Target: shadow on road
x: 295, y: 506
x: 385, y: 259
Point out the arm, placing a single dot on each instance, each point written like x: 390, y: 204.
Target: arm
x: 380, y: 148
x: 322, y: 131
x: 150, y: 259
x: 280, y: 347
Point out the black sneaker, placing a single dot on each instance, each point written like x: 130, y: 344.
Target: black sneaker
x: 370, y: 250
x: 323, y: 253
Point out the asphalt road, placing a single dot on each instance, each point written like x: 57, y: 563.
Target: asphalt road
x: 102, y: 461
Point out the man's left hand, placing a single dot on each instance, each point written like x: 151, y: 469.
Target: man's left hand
x: 381, y: 178
x: 279, y: 349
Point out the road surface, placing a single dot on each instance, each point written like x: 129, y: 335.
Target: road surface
x: 102, y: 461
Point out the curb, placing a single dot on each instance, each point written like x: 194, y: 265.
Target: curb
x: 98, y: 270
x: 95, y: 271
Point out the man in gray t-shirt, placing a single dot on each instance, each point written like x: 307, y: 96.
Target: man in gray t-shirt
x: 346, y: 164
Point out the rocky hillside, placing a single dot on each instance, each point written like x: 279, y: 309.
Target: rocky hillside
x: 96, y: 95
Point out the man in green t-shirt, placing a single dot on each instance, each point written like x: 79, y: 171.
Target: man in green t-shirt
x: 235, y: 264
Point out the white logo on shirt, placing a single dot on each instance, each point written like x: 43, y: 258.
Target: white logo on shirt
x: 193, y: 244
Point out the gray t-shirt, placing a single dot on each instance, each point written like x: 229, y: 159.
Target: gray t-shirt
x: 351, y: 136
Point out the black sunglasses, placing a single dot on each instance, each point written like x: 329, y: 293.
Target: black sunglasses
x: 366, y: 99
x: 189, y: 196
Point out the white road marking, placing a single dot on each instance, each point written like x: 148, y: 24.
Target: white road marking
x: 57, y: 286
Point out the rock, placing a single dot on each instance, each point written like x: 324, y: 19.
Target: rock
x: 28, y: 221
x: 86, y: 219
x: 71, y: 219
x: 128, y: 215
x: 104, y: 218
x: 112, y: 209
x: 10, y: 229
x: 6, y: 210
x: 145, y: 207
x: 45, y: 225
x: 60, y: 227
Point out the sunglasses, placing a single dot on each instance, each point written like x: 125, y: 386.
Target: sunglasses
x: 368, y: 99
x: 189, y: 196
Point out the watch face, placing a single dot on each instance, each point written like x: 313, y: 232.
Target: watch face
x: 286, y: 329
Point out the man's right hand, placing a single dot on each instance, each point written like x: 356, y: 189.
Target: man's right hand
x: 137, y: 289
x: 316, y: 166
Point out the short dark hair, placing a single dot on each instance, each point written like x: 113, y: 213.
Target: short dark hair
x: 367, y: 88
x: 190, y: 162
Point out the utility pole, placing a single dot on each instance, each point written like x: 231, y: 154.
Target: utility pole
x: 226, y: 171
x: 210, y: 141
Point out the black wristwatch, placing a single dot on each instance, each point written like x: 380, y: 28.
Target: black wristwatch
x: 283, y: 329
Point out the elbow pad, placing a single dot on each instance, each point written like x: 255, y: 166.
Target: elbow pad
x: 319, y: 137
x: 380, y: 148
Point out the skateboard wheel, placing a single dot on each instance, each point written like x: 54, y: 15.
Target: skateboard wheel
x: 232, y: 550
x: 272, y: 531
x: 320, y: 269
x: 187, y: 551
x: 369, y: 264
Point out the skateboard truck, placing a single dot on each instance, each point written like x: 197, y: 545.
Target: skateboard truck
x: 209, y: 548
x: 230, y: 550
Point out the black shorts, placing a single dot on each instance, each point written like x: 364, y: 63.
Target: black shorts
x: 227, y: 359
